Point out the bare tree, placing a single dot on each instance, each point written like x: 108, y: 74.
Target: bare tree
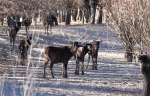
x: 100, y: 7
x: 70, y: 5
x: 84, y: 10
x: 93, y: 4
x: 130, y: 19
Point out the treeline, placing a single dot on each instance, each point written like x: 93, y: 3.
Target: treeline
x: 83, y: 10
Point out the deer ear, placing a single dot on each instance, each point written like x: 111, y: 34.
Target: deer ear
x: 85, y: 43
x: 30, y: 38
x: 71, y: 42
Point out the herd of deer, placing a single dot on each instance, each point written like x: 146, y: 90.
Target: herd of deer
x: 54, y: 54
x: 64, y: 53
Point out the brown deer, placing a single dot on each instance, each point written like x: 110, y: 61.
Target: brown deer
x: 13, y: 27
x: 94, y: 54
x: 80, y: 54
x: 27, y: 23
x: 48, y: 21
x: 59, y: 54
x: 145, y: 69
x: 23, y: 48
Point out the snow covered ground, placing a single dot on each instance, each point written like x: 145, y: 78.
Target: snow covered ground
x: 114, y: 77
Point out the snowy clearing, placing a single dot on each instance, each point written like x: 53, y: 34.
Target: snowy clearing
x: 114, y: 77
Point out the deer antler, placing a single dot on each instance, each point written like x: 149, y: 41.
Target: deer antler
x: 18, y: 21
x: 13, y: 19
x: 65, y: 34
x: 97, y: 35
x: 83, y: 35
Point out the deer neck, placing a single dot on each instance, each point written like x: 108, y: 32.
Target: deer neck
x: 146, y: 76
x: 146, y: 86
x: 71, y: 48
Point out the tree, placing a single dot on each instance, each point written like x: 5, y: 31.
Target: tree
x: 130, y: 19
x: 93, y: 4
x: 100, y: 7
x: 70, y: 5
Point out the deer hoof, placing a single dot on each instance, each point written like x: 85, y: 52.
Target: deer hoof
x: 65, y: 76
x: 75, y: 72
x: 82, y: 73
x: 93, y: 68
x: 44, y: 76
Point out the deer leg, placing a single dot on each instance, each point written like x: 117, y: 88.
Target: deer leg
x: 82, y: 66
x: 13, y: 42
x: 65, y: 65
x: 47, y: 29
x: 77, y: 67
x: 26, y: 29
x: 95, y: 63
x: 26, y: 53
x: 51, y: 66
x: 6, y: 31
x: 46, y: 62
x: 63, y: 70
x: 88, y: 60
x: 51, y: 29
x: 22, y: 59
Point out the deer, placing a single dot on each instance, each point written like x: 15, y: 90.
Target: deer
x: 48, y: 21
x: 27, y: 23
x: 145, y: 69
x: 82, y: 50
x: 93, y: 53
x: 13, y: 28
x: 59, y: 54
x: 23, y: 48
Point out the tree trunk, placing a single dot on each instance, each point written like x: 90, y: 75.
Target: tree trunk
x: 99, y: 21
x: 63, y: 16
x: 87, y: 15
x: 129, y: 53
x: 2, y: 20
x: 60, y: 16
x: 67, y: 22
x: 93, y: 11
x: 83, y: 16
x: 129, y: 57
x: 56, y: 15
x: 79, y: 14
x: 56, y: 21
x: 75, y: 15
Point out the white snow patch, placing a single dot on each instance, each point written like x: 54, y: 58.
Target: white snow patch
x: 111, y: 54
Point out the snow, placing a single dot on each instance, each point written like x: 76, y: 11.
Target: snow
x: 114, y: 77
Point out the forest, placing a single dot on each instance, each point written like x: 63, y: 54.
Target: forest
x: 119, y: 68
